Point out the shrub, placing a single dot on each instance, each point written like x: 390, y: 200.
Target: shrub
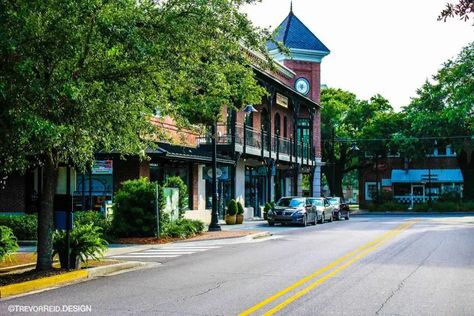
x: 135, y: 210
x: 8, y: 244
x: 24, y: 227
x: 183, y: 228
x: 421, y: 207
x: 388, y: 206
x: 445, y: 207
x: 467, y: 206
x: 177, y: 182
x: 240, y: 208
x: 86, y: 242
x: 268, y: 207
x: 232, y: 207
x: 450, y: 197
x: 383, y: 197
x: 95, y: 218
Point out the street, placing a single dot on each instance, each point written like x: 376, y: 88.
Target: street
x: 369, y: 265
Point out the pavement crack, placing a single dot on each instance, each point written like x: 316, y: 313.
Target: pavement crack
x: 403, y: 282
x: 218, y: 285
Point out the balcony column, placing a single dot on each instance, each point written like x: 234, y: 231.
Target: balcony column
x: 270, y: 162
x: 297, y: 177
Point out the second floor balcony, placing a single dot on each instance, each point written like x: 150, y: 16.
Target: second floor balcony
x: 257, y: 143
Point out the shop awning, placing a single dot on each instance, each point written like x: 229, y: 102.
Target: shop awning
x: 423, y: 175
x: 186, y: 153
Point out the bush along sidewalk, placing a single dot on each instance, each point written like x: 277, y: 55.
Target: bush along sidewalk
x: 24, y: 227
x: 230, y: 216
x: 135, y: 212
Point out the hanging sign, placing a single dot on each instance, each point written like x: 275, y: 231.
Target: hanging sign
x: 282, y: 100
x: 102, y: 167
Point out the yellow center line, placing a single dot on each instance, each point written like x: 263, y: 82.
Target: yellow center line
x: 361, y: 249
x: 331, y: 274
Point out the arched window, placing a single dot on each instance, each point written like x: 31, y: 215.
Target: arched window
x: 285, y: 126
x: 277, y: 124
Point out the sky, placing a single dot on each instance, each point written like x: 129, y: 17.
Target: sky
x: 377, y: 46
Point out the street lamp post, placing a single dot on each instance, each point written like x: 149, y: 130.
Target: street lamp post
x: 214, y: 225
x: 249, y: 109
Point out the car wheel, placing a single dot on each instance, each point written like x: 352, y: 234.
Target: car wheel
x: 305, y: 221
x: 271, y: 223
x: 347, y: 216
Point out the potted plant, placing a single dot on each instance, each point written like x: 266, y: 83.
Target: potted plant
x: 267, y: 208
x: 230, y: 216
x: 86, y: 242
x: 240, y: 213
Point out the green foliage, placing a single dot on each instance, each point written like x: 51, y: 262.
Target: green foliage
x: 467, y: 206
x: 240, y: 208
x: 183, y: 228
x: 95, y: 218
x: 134, y: 209
x: 232, y: 207
x: 119, y: 61
x: 81, y: 77
x: 450, y: 197
x: 177, y: 182
x: 85, y: 241
x: 445, y: 207
x: 443, y: 108
x: 8, y: 244
x: 343, y: 115
x: 421, y: 207
x: 24, y: 227
x: 268, y: 206
x: 388, y: 206
x: 382, y: 197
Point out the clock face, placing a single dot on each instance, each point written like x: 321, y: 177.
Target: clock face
x: 302, y: 86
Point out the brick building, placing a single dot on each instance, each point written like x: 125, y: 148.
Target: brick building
x: 411, y: 182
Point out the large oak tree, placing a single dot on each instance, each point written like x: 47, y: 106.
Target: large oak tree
x: 78, y: 77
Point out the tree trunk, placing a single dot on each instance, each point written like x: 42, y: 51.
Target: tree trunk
x: 46, y: 216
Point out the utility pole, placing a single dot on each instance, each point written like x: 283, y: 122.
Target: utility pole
x: 333, y: 158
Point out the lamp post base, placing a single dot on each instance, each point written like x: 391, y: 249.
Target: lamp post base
x: 214, y: 228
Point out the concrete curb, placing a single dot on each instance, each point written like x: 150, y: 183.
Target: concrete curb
x: 66, y: 278
x: 259, y: 235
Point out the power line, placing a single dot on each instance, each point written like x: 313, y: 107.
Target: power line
x: 351, y: 140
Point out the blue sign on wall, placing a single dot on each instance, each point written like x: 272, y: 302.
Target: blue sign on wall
x: 222, y: 173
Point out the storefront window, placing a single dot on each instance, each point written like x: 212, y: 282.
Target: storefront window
x: 95, y: 187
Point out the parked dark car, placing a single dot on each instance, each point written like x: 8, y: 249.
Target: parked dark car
x: 341, y: 208
x: 324, y: 210
x: 292, y: 210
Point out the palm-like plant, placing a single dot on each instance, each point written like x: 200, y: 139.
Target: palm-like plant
x: 8, y: 243
x: 86, y: 242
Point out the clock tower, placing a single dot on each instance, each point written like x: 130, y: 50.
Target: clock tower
x: 305, y: 57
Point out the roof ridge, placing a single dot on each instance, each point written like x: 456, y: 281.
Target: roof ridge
x: 287, y: 27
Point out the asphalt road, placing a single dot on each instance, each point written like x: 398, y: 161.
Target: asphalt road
x: 370, y: 265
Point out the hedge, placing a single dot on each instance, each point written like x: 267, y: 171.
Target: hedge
x: 24, y: 227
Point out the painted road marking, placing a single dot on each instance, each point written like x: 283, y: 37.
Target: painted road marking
x: 166, y: 252
x: 146, y: 256
x: 346, y: 261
